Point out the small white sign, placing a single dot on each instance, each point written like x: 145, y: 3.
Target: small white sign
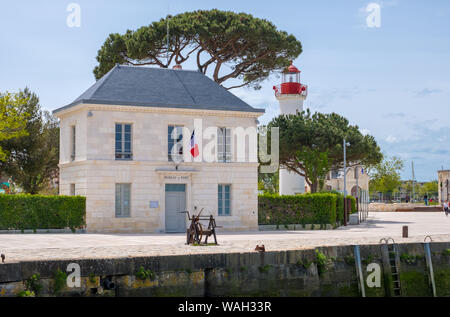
x: 177, y: 178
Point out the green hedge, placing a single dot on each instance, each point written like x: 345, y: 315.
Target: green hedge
x: 340, y: 205
x: 42, y: 212
x: 353, y: 203
x: 317, y: 208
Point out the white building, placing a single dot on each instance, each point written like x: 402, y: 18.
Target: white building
x: 122, y: 139
x: 444, y: 185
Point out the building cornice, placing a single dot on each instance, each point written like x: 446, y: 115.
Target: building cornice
x: 159, y: 110
x: 164, y: 166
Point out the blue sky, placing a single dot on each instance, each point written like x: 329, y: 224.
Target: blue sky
x: 392, y: 81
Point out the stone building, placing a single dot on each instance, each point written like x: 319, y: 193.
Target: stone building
x: 444, y: 185
x: 143, y: 144
x: 356, y: 178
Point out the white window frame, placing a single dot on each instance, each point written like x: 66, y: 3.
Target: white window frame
x: 170, y: 138
x: 123, y: 153
x: 221, y: 200
x: 224, y: 145
x: 119, y: 209
x: 73, y: 138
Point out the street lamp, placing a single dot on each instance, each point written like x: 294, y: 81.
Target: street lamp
x: 345, y: 167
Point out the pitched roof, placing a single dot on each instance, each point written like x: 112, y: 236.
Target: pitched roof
x: 160, y: 87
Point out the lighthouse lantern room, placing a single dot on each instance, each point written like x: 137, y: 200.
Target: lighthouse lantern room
x: 290, y: 95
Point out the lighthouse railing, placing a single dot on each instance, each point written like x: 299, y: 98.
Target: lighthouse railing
x: 303, y: 92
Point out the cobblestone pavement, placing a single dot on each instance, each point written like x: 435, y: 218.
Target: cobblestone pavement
x: 19, y: 247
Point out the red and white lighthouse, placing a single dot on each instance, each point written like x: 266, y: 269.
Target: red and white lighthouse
x: 291, y: 94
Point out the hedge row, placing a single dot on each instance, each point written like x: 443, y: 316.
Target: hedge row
x: 340, y: 206
x: 319, y: 208
x: 22, y: 212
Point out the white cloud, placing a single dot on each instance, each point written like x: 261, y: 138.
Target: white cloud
x: 391, y: 139
x: 365, y: 132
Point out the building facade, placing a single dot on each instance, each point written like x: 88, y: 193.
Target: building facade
x: 134, y: 145
x: 356, y: 178
x: 444, y: 185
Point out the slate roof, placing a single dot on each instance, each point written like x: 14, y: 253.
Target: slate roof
x: 160, y: 87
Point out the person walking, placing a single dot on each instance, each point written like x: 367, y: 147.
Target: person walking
x: 445, y: 207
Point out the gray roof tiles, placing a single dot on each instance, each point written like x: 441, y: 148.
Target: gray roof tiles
x: 160, y: 87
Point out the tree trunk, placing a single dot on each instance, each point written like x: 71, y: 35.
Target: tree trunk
x: 314, y: 187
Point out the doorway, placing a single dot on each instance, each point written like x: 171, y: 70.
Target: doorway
x: 175, y: 202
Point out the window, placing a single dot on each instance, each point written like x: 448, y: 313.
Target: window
x: 72, y: 189
x: 123, y: 142
x: 123, y: 192
x: 175, y: 143
x: 224, y: 145
x: 224, y: 200
x: 335, y: 174
x: 72, y: 141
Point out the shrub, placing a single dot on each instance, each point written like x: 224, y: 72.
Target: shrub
x: 322, y: 262
x: 60, y: 281
x: 319, y: 208
x: 340, y: 205
x: 353, y: 199
x: 144, y: 274
x: 41, y: 212
x: 26, y: 294
x: 33, y: 284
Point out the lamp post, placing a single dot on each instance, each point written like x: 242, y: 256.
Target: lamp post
x: 345, y: 183
x: 357, y: 192
x: 413, y: 189
x: 345, y: 167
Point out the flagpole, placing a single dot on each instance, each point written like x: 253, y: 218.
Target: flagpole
x: 167, y: 52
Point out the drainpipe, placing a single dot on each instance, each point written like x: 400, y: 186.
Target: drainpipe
x: 427, y: 249
x: 359, y: 270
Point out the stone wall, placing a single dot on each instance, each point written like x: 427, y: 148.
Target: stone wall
x: 444, y: 185
x: 403, y: 207
x: 326, y: 271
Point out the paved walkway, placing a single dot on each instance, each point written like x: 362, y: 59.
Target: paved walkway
x: 18, y: 247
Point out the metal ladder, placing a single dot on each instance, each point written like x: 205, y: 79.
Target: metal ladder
x: 392, y: 248
x: 394, y: 266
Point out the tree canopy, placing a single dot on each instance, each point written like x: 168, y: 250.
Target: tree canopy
x: 13, y: 117
x: 33, y: 157
x: 312, y: 144
x: 429, y: 189
x: 226, y: 44
x: 385, y: 176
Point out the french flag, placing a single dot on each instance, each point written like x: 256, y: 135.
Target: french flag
x: 194, y: 146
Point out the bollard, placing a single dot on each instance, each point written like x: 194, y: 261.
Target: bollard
x: 405, y: 232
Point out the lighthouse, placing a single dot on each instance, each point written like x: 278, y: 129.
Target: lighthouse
x: 291, y: 94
